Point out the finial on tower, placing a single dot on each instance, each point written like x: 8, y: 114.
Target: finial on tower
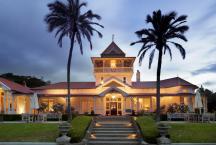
x: 113, y: 36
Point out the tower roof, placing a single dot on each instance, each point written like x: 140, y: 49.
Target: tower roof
x: 112, y: 51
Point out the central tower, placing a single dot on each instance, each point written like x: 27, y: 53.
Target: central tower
x: 113, y: 63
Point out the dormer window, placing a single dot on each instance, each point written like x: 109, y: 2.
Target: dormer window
x: 124, y: 79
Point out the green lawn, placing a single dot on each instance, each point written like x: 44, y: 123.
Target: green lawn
x: 179, y: 132
x: 36, y: 132
x: 42, y: 132
x: 193, y: 132
x: 79, y: 127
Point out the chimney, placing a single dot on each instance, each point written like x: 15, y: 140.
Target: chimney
x: 138, y: 76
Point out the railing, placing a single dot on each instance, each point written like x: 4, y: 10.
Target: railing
x: 113, y: 70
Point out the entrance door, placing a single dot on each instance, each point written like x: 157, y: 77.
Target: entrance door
x: 113, y: 108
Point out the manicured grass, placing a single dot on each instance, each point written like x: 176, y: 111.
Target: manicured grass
x: 148, y: 128
x: 79, y: 127
x: 193, y: 132
x: 36, y: 132
x: 179, y: 132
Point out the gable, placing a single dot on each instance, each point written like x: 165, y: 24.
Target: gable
x: 113, y: 89
x: 113, y: 83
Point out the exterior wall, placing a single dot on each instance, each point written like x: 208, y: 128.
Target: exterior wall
x: 22, y: 104
x: 1, y: 101
x: 98, y: 104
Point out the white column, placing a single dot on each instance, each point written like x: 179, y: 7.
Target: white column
x: 151, y: 106
x: 5, y: 101
x: 190, y: 105
x: 94, y: 104
x: 88, y: 104
x: 137, y: 104
x: 9, y: 102
x: 13, y: 101
x: 124, y: 101
x: 80, y: 110
x: 31, y: 104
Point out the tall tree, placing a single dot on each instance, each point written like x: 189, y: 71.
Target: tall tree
x: 164, y: 30
x: 68, y: 20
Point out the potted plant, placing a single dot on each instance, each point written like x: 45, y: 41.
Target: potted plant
x: 63, y: 129
x: 163, y: 131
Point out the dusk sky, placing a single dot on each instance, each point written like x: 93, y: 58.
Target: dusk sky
x: 28, y: 49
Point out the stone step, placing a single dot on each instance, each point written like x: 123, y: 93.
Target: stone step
x: 113, y: 128
x: 114, y: 138
x: 114, y: 122
x: 113, y: 131
x: 115, y: 125
x: 95, y: 142
x: 114, y: 135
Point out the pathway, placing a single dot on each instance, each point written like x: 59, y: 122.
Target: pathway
x: 113, y: 130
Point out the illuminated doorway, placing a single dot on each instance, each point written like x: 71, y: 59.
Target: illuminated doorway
x: 114, y: 104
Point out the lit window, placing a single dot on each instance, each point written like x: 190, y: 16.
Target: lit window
x: 113, y: 63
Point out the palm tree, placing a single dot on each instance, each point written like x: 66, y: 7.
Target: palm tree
x: 67, y: 20
x: 164, y: 30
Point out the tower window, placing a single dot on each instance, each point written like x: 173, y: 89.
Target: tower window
x: 113, y: 63
x: 124, y: 79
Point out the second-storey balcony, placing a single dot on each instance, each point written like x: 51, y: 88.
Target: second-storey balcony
x: 113, y: 70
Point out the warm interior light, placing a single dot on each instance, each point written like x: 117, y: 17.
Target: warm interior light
x: 113, y: 97
x: 113, y: 63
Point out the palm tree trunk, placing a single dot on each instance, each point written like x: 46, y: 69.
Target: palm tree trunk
x: 68, y: 79
x: 158, y: 85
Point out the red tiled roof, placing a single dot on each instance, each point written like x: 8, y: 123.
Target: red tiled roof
x: 164, y: 83
x: 15, y: 86
x: 172, y: 82
x: 74, y: 85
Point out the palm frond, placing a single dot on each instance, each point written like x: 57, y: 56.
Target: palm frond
x: 180, y: 48
x: 167, y: 48
x: 142, y: 55
x: 151, y: 58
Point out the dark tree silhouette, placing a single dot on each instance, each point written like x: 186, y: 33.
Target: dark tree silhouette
x: 165, y: 28
x: 68, y: 21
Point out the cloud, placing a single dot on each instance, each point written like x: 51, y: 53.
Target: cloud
x: 209, y: 13
x: 208, y: 69
x: 209, y: 83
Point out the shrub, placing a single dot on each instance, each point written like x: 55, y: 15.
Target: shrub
x: 148, y: 128
x: 180, y: 108
x: 92, y: 112
x: 58, y: 108
x: 42, y: 107
x: 86, y: 113
x: 11, y: 117
x: 79, y: 126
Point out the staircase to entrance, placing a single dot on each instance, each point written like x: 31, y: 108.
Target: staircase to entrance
x: 114, y: 130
